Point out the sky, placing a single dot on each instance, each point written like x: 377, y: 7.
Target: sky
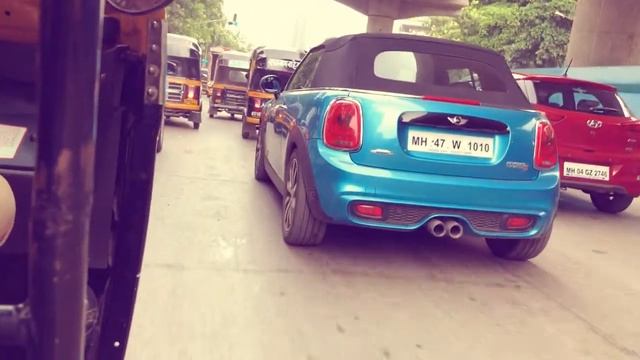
x: 293, y: 23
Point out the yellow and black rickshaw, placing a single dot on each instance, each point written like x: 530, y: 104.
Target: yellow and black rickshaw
x: 229, y: 89
x: 265, y: 61
x: 183, y: 79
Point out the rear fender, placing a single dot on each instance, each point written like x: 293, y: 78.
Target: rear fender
x: 297, y: 141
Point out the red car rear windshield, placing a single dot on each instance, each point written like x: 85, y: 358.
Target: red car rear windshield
x: 580, y: 97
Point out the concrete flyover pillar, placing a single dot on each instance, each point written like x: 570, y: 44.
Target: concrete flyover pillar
x: 605, y: 33
x: 379, y: 24
x: 381, y: 15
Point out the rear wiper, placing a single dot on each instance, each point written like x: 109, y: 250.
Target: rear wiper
x: 604, y: 110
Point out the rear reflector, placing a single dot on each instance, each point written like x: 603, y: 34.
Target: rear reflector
x: 451, y: 100
x: 368, y: 211
x: 518, y: 222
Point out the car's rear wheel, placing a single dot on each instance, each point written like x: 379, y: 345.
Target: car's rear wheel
x: 519, y: 249
x: 611, y: 203
x: 299, y: 226
x: 259, y: 171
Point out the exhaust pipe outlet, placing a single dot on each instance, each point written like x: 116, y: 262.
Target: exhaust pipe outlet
x: 454, y: 229
x: 437, y: 228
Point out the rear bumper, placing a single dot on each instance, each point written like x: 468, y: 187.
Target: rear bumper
x: 192, y: 115
x: 231, y: 109
x: 412, y: 199
x: 253, y: 120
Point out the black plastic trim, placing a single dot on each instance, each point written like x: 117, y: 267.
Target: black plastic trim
x: 296, y: 140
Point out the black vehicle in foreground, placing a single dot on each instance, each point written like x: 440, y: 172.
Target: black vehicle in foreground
x: 79, y: 120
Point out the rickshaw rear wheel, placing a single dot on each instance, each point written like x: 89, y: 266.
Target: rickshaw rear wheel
x: 160, y: 140
x: 246, y: 133
x: 196, y: 125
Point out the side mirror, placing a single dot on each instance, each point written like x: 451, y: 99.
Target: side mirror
x: 271, y: 84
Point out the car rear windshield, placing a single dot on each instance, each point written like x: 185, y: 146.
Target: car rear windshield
x: 183, y: 67
x: 582, y: 98
x: 231, y: 76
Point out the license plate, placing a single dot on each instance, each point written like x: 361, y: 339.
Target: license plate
x: 586, y: 171
x: 450, y: 144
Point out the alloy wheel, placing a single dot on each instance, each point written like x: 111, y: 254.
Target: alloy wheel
x: 290, y: 196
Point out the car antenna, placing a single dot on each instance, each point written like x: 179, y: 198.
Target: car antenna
x: 566, y: 71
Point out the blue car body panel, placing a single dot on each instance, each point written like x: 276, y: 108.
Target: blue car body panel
x: 412, y: 186
x: 484, y: 186
x: 339, y: 181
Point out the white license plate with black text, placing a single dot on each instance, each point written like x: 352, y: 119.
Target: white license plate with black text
x: 586, y: 171
x: 450, y: 144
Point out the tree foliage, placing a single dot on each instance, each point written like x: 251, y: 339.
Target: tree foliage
x: 527, y: 32
x: 205, y: 21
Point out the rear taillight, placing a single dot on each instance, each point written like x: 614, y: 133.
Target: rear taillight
x: 193, y: 92
x: 546, y: 148
x: 343, y: 125
x: 256, y: 107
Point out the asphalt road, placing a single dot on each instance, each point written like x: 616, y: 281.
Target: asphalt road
x: 219, y: 283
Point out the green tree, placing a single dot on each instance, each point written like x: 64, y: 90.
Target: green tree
x: 527, y: 32
x: 205, y: 21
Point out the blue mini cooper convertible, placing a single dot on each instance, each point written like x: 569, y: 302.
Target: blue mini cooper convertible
x: 403, y: 132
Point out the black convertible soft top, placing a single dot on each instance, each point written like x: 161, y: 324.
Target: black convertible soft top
x: 352, y: 61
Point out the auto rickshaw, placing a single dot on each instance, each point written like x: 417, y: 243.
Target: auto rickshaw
x: 81, y: 88
x: 183, y: 79
x: 229, y: 88
x: 265, y: 61
x: 212, y: 59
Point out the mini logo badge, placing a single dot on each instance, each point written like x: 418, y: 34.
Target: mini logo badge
x: 457, y: 120
x: 594, y: 124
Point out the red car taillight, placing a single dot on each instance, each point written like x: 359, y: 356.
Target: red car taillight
x: 343, y: 125
x: 546, y: 148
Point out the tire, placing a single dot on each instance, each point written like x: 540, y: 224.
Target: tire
x: 245, y: 131
x: 160, y: 140
x: 299, y: 226
x: 518, y: 249
x: 611, y: 203
x: 196, y: 125
x: 259, y: 170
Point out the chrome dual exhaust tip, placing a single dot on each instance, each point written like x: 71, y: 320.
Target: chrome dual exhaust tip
x: 438, y: 228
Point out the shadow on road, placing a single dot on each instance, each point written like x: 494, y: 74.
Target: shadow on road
x: 179, y: 123
x: 573, y: 202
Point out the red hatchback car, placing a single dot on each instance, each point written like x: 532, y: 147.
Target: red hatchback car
x: 598, y: 138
